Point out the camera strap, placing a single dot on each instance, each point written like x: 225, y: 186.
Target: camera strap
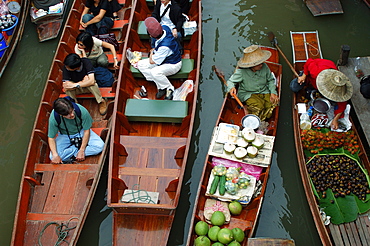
x: 65, y: 125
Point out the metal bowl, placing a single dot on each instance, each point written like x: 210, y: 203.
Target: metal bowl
x: 251, y: 121
x: 321, y: 105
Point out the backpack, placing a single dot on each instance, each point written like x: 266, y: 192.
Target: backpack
x: 103, y: 77
x: 76, y: 108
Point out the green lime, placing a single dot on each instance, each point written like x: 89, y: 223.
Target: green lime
x: 235, y: 208
x: 238, y: 234
x: 234, y: 243
x: 225, y: 236
x: 212, y: 233
x: 201, y: 228
x: 202, y: 241
x: 218, y: 218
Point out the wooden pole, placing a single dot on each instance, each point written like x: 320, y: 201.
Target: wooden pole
x: 344, y: 54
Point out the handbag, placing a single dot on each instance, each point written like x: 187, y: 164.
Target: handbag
x: 189, y: 26
x: 108, y: 38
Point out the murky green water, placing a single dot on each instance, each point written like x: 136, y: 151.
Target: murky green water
x: 228, y: 27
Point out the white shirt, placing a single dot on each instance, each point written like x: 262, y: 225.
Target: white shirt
x: 165, y: 20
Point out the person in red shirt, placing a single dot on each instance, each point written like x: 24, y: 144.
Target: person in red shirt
x: 335, y: 86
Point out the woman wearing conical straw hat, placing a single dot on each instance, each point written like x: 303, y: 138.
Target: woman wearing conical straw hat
x: 323, y: 75
x: 256, y: 84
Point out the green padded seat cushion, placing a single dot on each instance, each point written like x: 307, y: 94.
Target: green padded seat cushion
x: 156, y: 110
x: 186, y: 67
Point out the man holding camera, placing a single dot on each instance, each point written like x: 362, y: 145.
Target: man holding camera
x: 69, y: 135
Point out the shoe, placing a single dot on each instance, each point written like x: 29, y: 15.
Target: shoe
x: 70, y: 160
x: 160, y: 93
x: 103, y: 107
x: 169, y: 94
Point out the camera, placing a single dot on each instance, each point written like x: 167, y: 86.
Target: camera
x: 77, y: 141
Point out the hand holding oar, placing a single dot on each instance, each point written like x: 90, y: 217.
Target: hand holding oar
x: 274, y: 42
x: 220, y: 74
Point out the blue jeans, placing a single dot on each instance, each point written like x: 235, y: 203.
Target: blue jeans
x: 101, y: 27
x: 66, y: 150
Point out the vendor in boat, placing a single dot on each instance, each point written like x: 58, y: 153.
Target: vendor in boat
x: 92, y: 48
x: 323, y: 75
x: 257, y: 86
x: 97, y: 17
x: 78, y: 78
x: 69, y: 135
x: 164, y: 58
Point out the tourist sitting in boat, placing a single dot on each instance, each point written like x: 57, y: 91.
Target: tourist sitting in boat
x: 92, y: 48
x: 256, y: 83
x: 323, y: 75
x: 164, y: 58
x: 115, y: 7
x: 69, y: 135
x: 169, y: 13
x: 78, y: 78
x: 97, y: 17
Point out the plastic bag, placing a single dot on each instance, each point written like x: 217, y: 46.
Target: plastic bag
x: 180, y: 93
x: 133, y: 57
x: 344, y: 124
x: 189, y: 26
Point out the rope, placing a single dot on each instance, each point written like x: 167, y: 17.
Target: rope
x: 311, y: 46
x: 137, y: 198
x: 61, y: 230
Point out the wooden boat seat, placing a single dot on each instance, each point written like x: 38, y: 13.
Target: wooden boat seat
x: 150, y: 3
x: 143, y: 34
x: 156, y: 110
x: 117, y: 25
x: 186, y: 67
x: 106, y: 92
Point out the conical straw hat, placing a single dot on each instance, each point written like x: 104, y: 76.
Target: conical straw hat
x: 253, y: 56
x: 334, y: 85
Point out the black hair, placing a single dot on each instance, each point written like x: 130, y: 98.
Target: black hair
x: 86, y: 39
x: 63, y: 106
x: 72, y: 61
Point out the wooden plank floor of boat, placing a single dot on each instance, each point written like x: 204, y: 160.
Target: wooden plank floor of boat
x: 360, y: 104
x: 327, y: 7
x: 305, y: 45
x: 140, y: 230
x: 352, y: 233
x: 270, y: 242
x: 60, y: 197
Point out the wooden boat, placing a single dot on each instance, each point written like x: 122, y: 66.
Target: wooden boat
x: 270, y: 241
x: 11, y: 38
x: 49, y: 24
x: 367, y: 2
x: 231, y: 113
x: 53, y: 195
x: 306, y: 45
x: 324, y: 7
x: 150, y: 141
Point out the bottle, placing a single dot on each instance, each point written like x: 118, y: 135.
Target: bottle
x: 305, y: 122
x: 358, y: 71
x: 310, y: 111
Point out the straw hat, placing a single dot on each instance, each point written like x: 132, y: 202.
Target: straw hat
x: 253, y: 56
x: 334, y: 85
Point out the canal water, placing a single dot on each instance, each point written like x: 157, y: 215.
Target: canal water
x: 228, y: 27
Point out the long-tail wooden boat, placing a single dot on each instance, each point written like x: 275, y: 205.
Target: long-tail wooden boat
x: 11, y: 38
x: 48, y: 24
x: 231, y: 113
x: 60, y: 194
x: 324, y: 7
x: 356, y: 232
x: 150, y: 141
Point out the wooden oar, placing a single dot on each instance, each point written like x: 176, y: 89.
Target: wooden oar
x: 221, y: 75
x: 274, y: 42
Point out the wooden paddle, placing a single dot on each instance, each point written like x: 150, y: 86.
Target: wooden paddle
x: 221, y: 75
x: 274, y: 42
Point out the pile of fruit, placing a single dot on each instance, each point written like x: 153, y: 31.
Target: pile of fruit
x: 339, y: 173
x: 316, y: 140
x: 228, y: 180
x: 215, y: 233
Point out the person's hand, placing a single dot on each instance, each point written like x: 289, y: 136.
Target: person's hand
x: 84, y: 25
x: 232, y: 91
x: 301, y: 79
x: 115, y: 65
x: 80, y: 155
x: 174, y: 32
x: 56, y: 160
x: 274, y: 99
x: 334, y: 124
x: 68, y: 86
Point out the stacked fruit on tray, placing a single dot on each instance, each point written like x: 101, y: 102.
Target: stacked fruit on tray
x: 215, y: 233
x: 248, y: 144
x: 228, y: 180
x: 316, y: 140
